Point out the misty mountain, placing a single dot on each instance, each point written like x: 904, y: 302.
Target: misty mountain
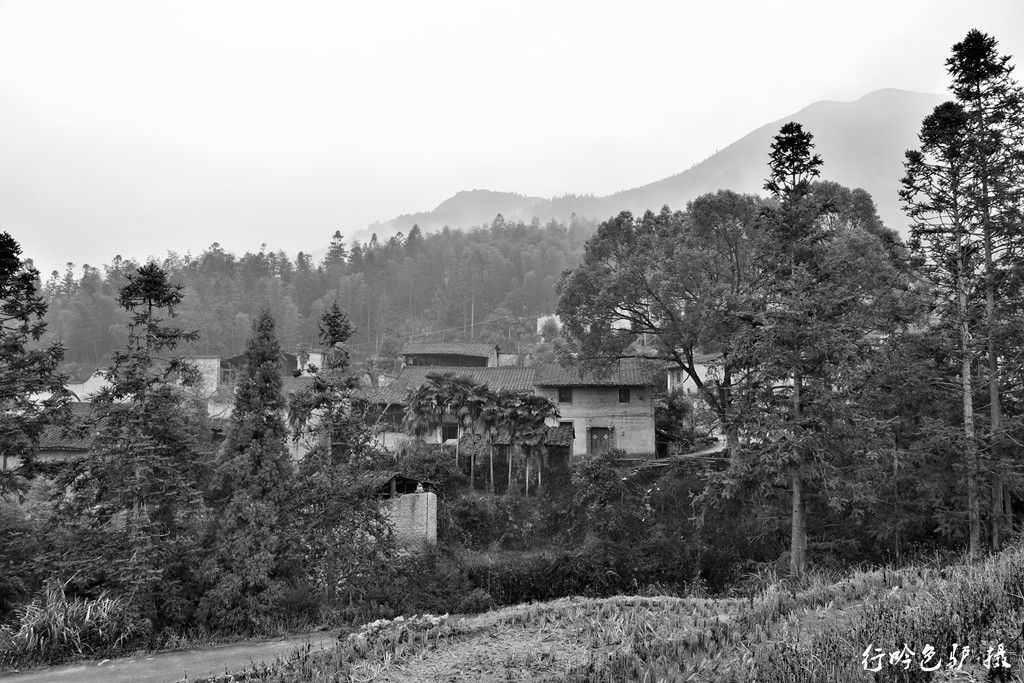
x: 861, y: 143
x: 462, y: 210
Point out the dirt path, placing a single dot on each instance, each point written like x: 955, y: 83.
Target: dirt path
x: 168, y: 667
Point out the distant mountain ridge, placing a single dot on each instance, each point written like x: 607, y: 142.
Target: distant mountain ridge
x: 861, y: 143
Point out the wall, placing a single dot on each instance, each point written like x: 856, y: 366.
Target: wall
x: 680, y: 380
x: 414, y: 517
x: 632, y: 423
x: 209, y: 369
x: 392, y: 440
x: 45, y: 457
x: 89, y: 387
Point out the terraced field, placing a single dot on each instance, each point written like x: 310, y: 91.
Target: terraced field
x: 819, y: 631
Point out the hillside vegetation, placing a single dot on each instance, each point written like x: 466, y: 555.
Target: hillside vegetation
x: 818, y: 631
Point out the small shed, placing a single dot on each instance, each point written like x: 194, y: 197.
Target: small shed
x: 410, y: 504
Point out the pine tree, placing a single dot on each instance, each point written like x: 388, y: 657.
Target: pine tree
x: 793, y: 166
x: 26, y: 369
x: 935, y: 195
x: 826, y: 289
x: 342, y: 531
x: 135, y: 498
x: 993, y: 106
x: 337, y: 255
x: 248, y: 563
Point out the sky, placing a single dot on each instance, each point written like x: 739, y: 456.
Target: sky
x: 136, y: 127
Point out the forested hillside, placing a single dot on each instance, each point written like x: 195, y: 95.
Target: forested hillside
x: 484, y: 283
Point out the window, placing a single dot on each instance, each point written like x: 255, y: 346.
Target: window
x: 570, y: 425
x: 449, y: 431
x: 565, y: 394
x: 393, y: 417
x: 624, y: 395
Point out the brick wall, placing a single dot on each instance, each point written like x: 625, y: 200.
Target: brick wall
x: 414, y: 517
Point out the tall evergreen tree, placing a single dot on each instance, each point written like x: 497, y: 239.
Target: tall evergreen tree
x: 793, y: 167
x: 26, y: 368
x: 248, y: 562
x: 337, y: 255
x: 826, y: 290
x: 936, y: 197
x: 135, y: 497
x: 343, y: 532
x: 993, y: 105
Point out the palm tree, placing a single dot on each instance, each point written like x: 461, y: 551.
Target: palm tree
x: 488, y: 423
x: 535, y: 412
x: 506, y: 419
x: 459, y: 391
x: 425, y: 406
x: 523, y: 419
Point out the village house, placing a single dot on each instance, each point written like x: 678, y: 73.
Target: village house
x: 59, y: 445
x: 599, y: 411
x: 392, y: 398
x: 613, y: 409
x: 678, y: 379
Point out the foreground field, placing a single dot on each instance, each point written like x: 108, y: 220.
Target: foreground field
x: 869, y: 626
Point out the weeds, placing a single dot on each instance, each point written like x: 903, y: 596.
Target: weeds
x: 52, y: 628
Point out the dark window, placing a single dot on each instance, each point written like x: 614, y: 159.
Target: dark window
x: 565, y: 394
x: 393, y: 417
x: 449, y: 431
x: 624, y: 395
x: 569, y: 424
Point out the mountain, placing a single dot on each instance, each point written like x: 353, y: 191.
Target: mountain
x: 466, y: 208
x: 861, y: 143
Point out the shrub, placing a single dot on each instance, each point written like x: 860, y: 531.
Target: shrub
x: 608, y: 504
x: 599, y: 570
x: 300, y: 604
x: 480, y: 521
x: 53, y: 628
x: 433, y: 463
x: 24, y: 535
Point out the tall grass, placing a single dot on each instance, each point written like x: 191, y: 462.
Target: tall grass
x: 53, y: 628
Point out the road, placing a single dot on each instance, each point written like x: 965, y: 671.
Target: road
x: 169, y: 667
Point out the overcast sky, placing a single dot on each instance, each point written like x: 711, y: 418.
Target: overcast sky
x: 135, y: 127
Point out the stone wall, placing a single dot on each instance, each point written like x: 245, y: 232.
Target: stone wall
x: 414, y: 517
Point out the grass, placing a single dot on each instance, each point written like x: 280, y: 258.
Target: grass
x: 815, y: 631
x: 54, y: 628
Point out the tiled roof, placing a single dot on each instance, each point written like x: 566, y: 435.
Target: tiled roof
x: 289, y: 385
x: 54, y: 438
x: 628, y: 372
x: 447, y: 349
x: 412, y: 377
